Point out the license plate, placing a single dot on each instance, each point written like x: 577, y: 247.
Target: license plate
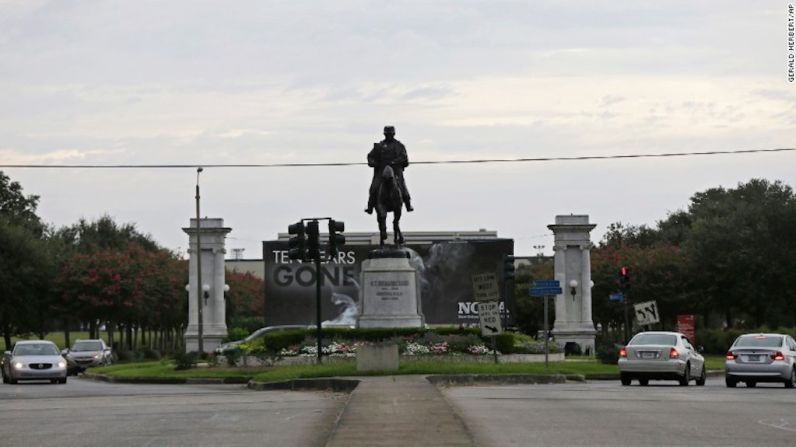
x: 753, y: 358
x: 647, y: 355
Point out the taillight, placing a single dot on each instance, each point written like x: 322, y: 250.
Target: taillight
x: 623, y: 353
x: 730, y: 355
x: 673, y: 354
x: 778, y: 356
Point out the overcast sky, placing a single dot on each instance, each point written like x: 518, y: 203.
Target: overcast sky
x: 211, y: 82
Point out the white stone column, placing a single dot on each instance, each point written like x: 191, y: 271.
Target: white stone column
x: 214, y: 325
x: 585, y: 286
x: 573, y: 323
x: 559, y: 258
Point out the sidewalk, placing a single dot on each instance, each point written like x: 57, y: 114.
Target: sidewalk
x: 398, y: 411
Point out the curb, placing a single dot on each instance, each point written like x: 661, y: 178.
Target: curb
x: 167, y: 380
x: 501, y: 379
x: 326, y: 384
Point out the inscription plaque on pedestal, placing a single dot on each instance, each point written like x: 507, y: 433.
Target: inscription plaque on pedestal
x: 390, y: 295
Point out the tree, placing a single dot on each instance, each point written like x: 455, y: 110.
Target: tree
x: 245, y: 296
x: 25, y: 272
x: 18, y: 209
x: 25, y: 269
x: 134, y: 287
x: 742, y: 241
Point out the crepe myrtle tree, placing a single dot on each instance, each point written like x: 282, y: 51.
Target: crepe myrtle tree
x: 245, y: 298
x: 133, y: 288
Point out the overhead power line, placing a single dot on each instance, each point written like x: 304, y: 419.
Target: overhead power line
x: 422, y: 162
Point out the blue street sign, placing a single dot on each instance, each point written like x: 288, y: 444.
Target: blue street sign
x: 544, y: 291
x: 547, y: 283
x: 616, y: 296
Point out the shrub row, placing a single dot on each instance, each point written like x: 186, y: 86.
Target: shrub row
x: 458, y: 339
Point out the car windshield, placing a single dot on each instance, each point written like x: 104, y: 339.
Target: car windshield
x: 255, y: 334
x: 654, y: 339
x: 87, y: 346
x: 759, y: 341
x: 36, y: 349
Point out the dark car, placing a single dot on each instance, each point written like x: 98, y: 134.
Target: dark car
x: 86, y: 353
x: 259, y: 333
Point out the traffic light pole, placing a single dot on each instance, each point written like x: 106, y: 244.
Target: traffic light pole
x: 318, y: 278
x: 305, y: 245
x: 627, y: 317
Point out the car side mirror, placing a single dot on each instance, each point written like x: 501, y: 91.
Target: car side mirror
x: 7, y: 353
x: 701, y: 349
x: 64, y: 351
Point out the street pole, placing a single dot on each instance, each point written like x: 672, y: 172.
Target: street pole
x: 546, y: 339
x: 318, y: 304
x: 199, y: 267
x: 506, y: 289
x: 627, y: 318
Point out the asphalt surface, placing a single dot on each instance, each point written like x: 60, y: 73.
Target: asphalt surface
x: 600, y: 413
x: 89, y: 413
x: 608, y: 414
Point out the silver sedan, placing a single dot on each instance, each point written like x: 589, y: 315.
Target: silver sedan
x: 34, y: 360
x: 754, y: 358
x: 661, y: 356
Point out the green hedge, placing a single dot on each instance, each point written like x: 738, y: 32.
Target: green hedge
x: 507, y: 343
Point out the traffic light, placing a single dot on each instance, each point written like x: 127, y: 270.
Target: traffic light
x: 508, y: 267
x: 313, y: 240
x: 336, y: 240
x: 296, y: 244
x: 624, y: 278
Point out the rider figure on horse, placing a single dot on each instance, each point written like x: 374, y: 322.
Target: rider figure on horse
x: 388, y: 152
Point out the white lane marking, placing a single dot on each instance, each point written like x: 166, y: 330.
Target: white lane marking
x: 782, y: 424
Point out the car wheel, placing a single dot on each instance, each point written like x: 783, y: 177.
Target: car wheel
x: 62, y: 380
x: 54, y: 381
x: 730, y: 382
x: 686, y: 375
x: 700, y: 381
x: 625, y: 379
x: 751, y: 384
x: 5, y: 379
x: 643, y: 382
x: 790, y: 383
x: 12, y: 381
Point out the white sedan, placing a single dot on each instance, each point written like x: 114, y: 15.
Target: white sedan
x: 660, y: 356
x: 34, y: 360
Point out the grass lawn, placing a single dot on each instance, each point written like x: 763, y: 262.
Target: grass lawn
x: 432, y: 367
x: 714, y: 362
x: 165, y: 369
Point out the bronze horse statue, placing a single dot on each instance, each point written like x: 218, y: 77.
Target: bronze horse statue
x: 389, y: 199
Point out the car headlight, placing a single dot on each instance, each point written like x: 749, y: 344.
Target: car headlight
x: 62, y: 364
x: 96, y: 356
x: 18, y: 365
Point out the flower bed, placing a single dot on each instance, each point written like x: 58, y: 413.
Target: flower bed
x: 466, y: 345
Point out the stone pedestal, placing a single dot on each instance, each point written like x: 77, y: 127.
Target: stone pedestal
x: 214, y: 327
x: 390, y: 292
x: 573, y: 323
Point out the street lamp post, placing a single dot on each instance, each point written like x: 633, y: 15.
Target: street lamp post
x: 199, y: 291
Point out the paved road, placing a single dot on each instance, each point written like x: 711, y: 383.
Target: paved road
x: 89, y: 413
x: 607, y: 414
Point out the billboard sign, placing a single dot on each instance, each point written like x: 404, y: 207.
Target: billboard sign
x: 687, y: 327
x: 445, y: 274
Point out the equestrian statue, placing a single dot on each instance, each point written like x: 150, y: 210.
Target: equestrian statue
x: 388, y: 192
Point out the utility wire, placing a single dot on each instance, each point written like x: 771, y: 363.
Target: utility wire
x: 426, y: 162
